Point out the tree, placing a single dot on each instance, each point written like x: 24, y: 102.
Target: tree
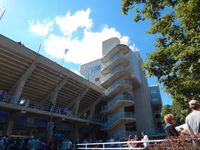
x: 166, y: 109
x: 176, y: 59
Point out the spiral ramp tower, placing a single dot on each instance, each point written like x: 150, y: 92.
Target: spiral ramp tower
x: 117, y: 80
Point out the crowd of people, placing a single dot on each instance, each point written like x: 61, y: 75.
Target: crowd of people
x: 192, y: 131
x: 192, y: 122
x: 33, y: 143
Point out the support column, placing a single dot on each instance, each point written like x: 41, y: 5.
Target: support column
x: 10, y: 123
x: 10, y: 127
x: 17, y: 88
x: 76, y: 133
x: 53, y: 95
x: 93, y: 107
x: 78, y: 99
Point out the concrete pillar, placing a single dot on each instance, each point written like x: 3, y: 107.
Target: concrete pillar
x: 10, y: 123
x: 76, y: 133
x: 10, y: 127
x: 53, y: 97
x: 17, y: 88
x: 54, y: 93
x: 93, y: 107
x: 78, y: 99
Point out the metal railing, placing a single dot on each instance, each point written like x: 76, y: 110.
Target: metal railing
x: 126, y: 145
x: 26, y: 103
x: 164, y: 144
x: 116, y: 117
x: 120, y: 82
x: 118, y: 49
x: 115, y: 100
x: 114, y: 58
x: 114, y: 71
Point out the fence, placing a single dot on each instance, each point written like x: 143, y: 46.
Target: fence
x: 126, y: 145
x: 182, y: 143
x: 23, y: 102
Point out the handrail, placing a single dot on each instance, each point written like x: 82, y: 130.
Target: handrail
x: 117, y: 83
x: 116, y: 117
x: 119, y: 48
x: 126, y: 145
x: 23, y: 102
x: 141, y: 144
x: 115, y: 100
x: 112, y: 60
x: 114, y: 71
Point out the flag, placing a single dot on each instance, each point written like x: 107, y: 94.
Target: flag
x: 2, y: 11
x: 66, y: 50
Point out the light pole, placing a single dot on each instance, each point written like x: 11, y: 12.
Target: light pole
x: 2, y: 11
x: 50, y: 125
x: 63, y: 59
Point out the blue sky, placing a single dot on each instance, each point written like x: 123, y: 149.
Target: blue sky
x: 77, y: 25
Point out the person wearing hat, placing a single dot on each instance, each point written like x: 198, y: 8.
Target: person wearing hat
x: 193, y: 119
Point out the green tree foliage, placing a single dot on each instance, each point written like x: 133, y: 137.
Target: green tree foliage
x: 176, y: 59
x: 166, y: 109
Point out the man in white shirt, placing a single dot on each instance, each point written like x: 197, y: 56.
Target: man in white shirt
x: 193, y: 119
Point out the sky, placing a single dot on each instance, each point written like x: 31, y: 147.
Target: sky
x: 73, y: 30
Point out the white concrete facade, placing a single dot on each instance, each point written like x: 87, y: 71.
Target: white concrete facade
x: 128, y: 107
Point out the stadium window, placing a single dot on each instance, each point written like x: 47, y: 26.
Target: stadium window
x: 95, y: 69
x: 157, y: 116
x: 154, y: 100
x: 153, y: 92
x: 96, y: 79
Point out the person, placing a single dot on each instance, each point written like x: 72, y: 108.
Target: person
x: 145, y: 138
x: 193, y: 119
x: 112, y: 139
x: 170, y: 126
x: 130, y: 138
x: 32, y: 143
x: 118, y: 145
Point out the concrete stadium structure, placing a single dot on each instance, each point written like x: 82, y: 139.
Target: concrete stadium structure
x: 40, y: 97
x: 34, y: 91
x: 129, y: 106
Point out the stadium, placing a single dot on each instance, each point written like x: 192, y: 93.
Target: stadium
x: 31, y: 84
x: 40, y: 98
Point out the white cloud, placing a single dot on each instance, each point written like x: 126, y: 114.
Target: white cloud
x: 56, y: 45
x: 70, y: 23
x: 133, y: 47
x: 41, y: 28
x: 83, y: 50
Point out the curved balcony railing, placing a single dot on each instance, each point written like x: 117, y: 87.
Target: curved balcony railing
x: 26, y: 103
x: 119, y: 48
x: 117, y: 58
x: 118, y: 83
x: 116, y: 117
x: 115, y: 100
x: 117, y: 71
